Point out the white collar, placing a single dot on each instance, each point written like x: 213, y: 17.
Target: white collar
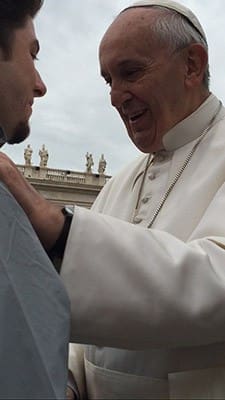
x: 191, y: 127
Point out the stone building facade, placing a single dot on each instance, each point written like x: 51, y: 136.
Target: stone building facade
x: 65, y: 187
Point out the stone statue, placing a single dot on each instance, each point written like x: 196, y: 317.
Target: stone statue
x: 89, y: 163
x: 102, y: 165
x: 43, y: 153
x: 28, y: 154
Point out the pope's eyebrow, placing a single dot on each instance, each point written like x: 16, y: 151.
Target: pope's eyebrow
x: 125, y: 64
x: 128, y: 63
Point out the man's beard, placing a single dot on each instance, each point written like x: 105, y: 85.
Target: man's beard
x: 20, y: 133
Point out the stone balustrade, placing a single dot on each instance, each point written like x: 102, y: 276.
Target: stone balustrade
x: 62, y: 176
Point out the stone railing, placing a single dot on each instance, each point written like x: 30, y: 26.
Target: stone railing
x: 62, y: 176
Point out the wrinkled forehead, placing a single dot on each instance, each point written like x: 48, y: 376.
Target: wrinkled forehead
x: 129, y: 40
x: 133, y: 24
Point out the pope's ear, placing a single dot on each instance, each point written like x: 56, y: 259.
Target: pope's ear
x: 196, y: 64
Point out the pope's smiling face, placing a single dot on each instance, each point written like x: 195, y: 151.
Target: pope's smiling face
x: 147, y: 80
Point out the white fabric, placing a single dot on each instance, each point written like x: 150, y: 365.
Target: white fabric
x: 160, y: 292
x: 192, y: 126
x: 34, y: 312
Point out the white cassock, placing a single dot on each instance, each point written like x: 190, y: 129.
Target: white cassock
x: 34, y: 312
x: 150, y: 303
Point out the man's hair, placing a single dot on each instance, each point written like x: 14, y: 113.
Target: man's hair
x: 13, y: 15
x: 176, y: 31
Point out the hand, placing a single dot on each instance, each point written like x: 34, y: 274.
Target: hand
x: 46, y: 218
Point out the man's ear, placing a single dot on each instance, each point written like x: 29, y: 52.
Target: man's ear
x: 196, y: 64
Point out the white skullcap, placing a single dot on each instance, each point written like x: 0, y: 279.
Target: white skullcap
x: 173, y: 5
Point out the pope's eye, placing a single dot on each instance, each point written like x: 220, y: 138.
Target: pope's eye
x: 131, y: 73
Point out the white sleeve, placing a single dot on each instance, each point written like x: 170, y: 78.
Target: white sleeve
x: 132, y: 287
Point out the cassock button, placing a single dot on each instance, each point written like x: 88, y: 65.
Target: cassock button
x: 152, y: 176
x: 161, y: 158
x: 137, y: 220
x: 146, y: 199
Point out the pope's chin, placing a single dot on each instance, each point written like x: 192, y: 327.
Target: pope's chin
x: 19, y: 133
x: 143, y: 140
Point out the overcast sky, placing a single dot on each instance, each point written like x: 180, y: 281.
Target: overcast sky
x: 75, y: 116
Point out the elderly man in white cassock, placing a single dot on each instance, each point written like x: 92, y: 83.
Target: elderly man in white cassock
x: 145, y: 267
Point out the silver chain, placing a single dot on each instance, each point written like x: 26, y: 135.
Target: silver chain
x: 181, y: 170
